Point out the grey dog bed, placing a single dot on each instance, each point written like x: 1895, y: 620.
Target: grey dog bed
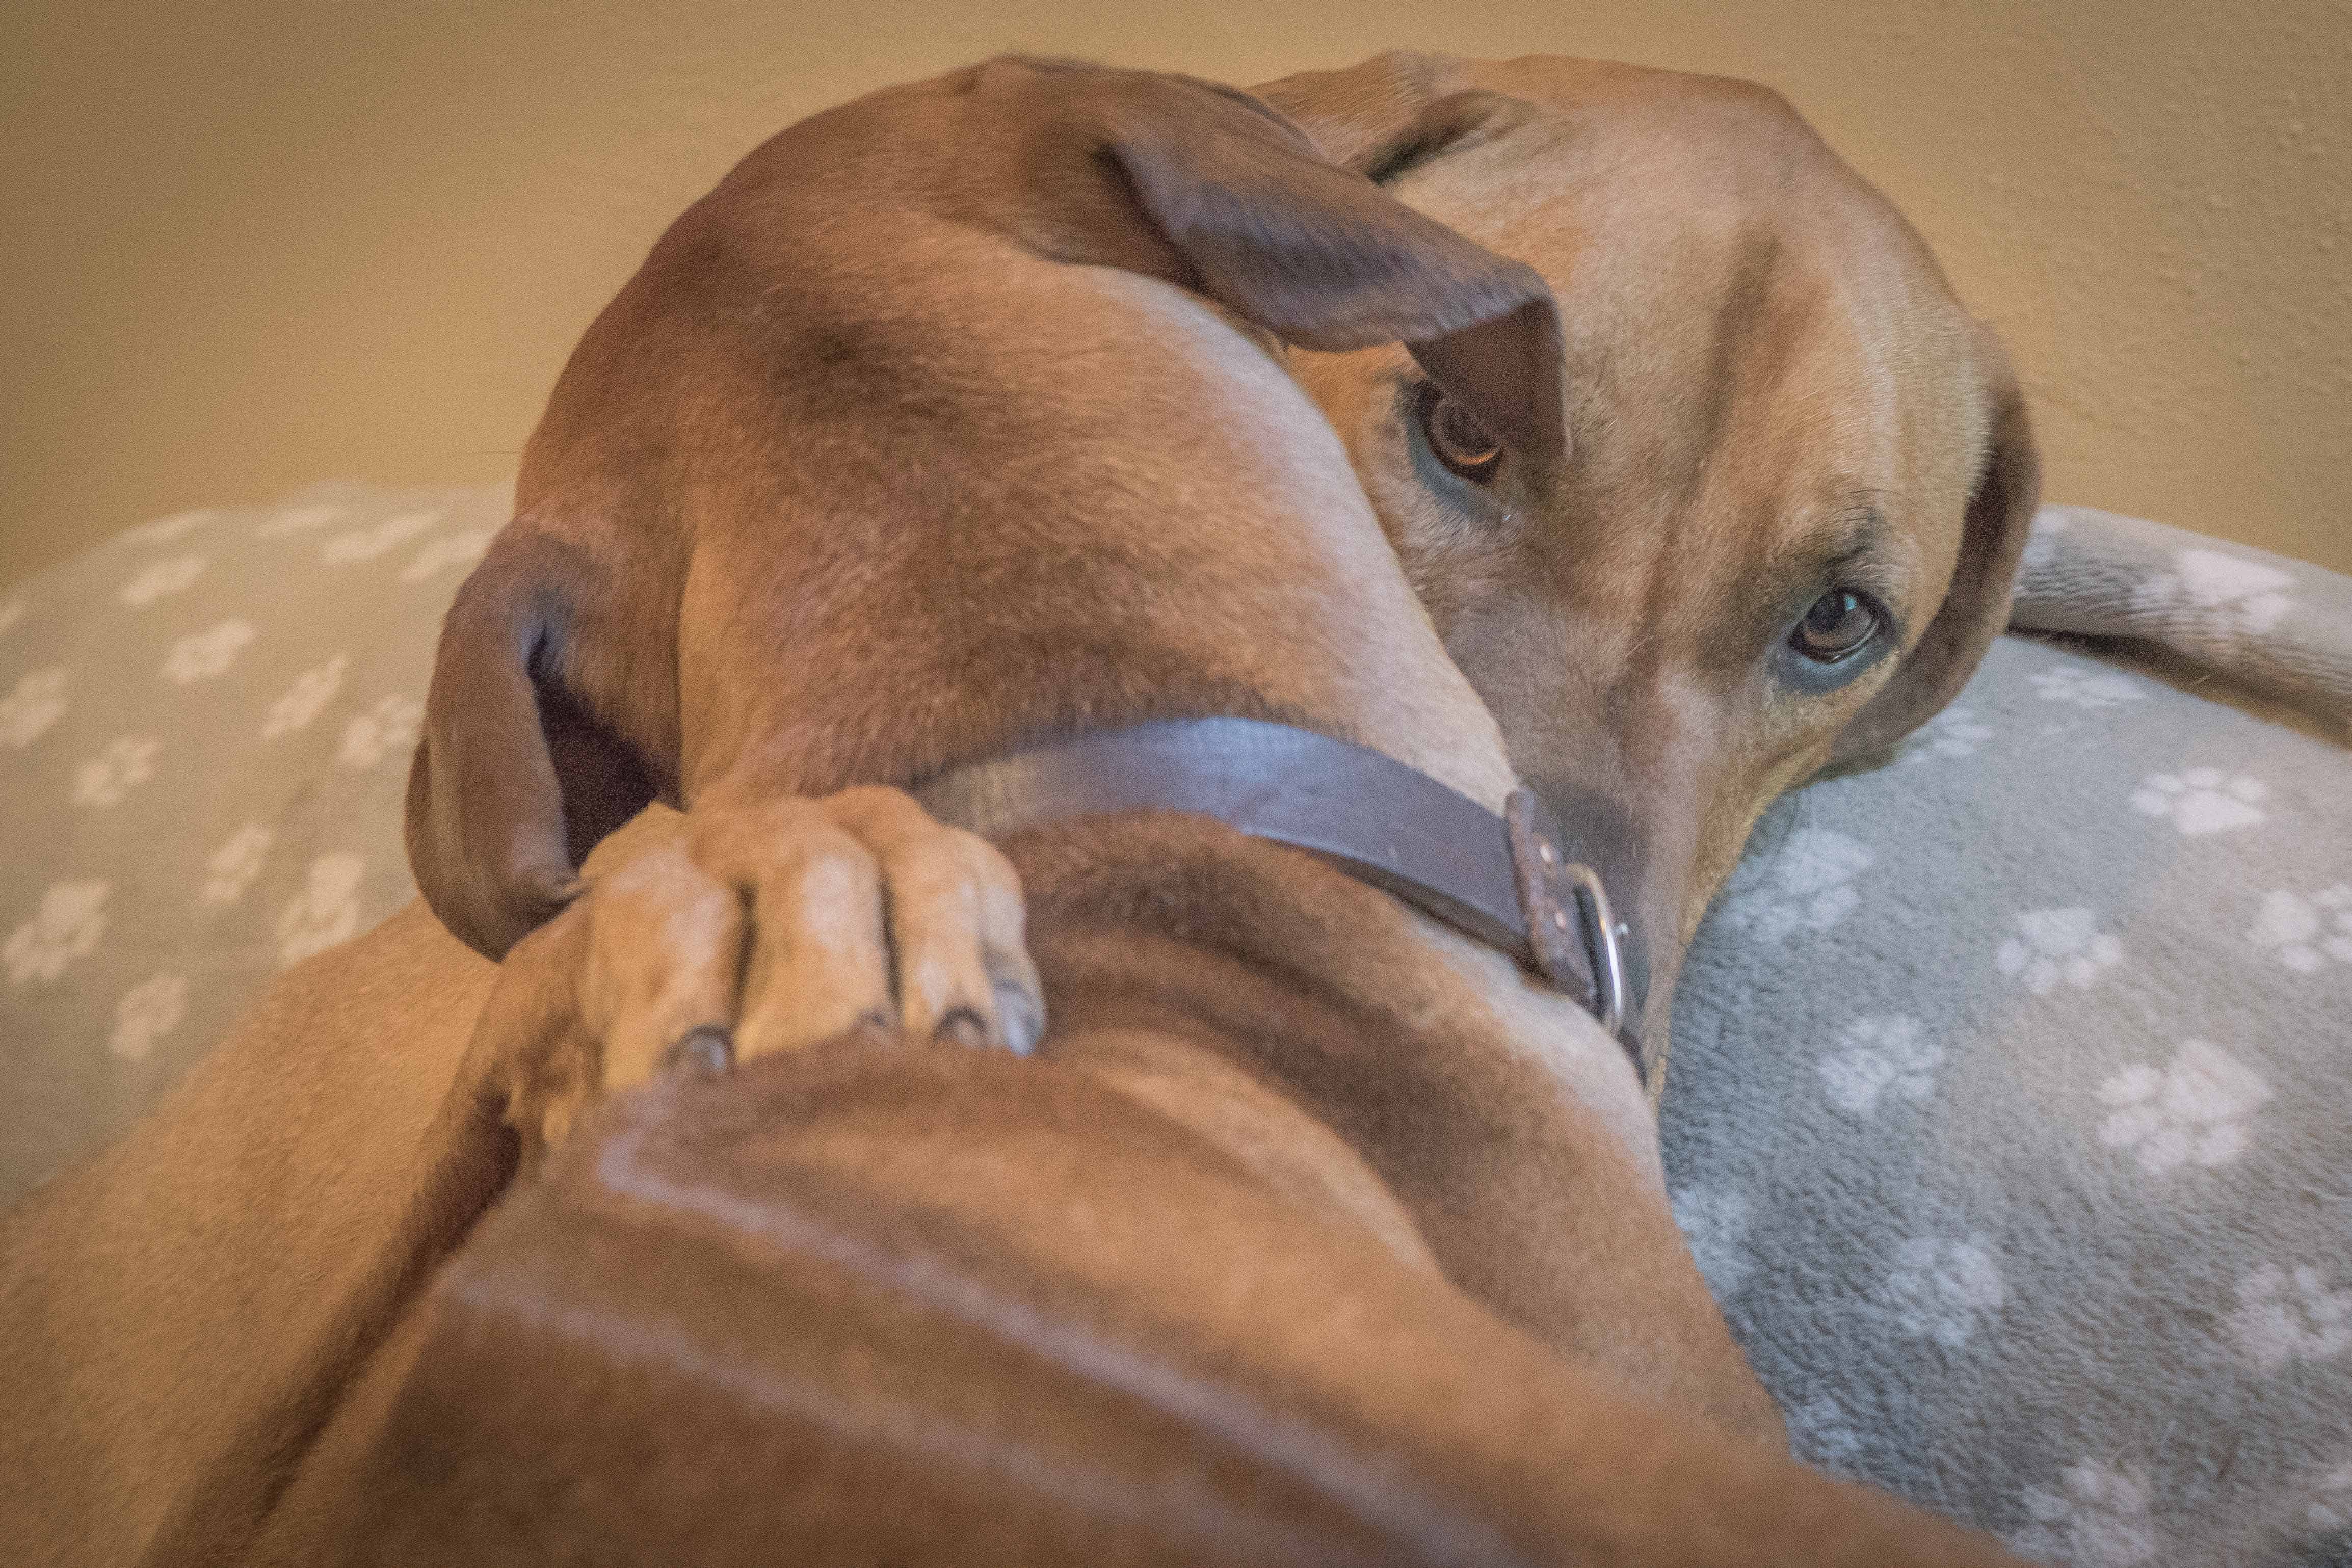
x: 2008, y: 1105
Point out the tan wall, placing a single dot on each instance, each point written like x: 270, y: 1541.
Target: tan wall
x: 246, y: 247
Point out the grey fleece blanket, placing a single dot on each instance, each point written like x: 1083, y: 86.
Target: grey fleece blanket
x: 2012, y: 1104
x: 2010, y: 1113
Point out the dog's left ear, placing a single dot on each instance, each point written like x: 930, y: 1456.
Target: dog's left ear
x: 1976, y: 607
x: 1321, y: 257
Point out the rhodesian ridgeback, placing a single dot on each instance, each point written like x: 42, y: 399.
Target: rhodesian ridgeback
x: 1798, y: 476
x: 954, y: 419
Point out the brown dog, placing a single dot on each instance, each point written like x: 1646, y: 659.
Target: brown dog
x: 1796, y: 476
x: 1269, y: 1022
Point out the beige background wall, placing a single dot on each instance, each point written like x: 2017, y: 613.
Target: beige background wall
x: 244, y: 247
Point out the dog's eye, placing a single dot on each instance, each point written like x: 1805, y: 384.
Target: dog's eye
x: 1839, y: 625
x: 1456, y: 438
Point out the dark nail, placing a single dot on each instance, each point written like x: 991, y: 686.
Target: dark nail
x: 704, y: 1053
x: 1023, y: 1015
x: 963, y: 1027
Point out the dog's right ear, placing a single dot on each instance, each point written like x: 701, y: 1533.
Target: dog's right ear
x: 1384, y: 115
x: 1321, y: 257
x: 513, y: 779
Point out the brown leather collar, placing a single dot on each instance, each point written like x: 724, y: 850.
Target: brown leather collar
x: 1513, y: 881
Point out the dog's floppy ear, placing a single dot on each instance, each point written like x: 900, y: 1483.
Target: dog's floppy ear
x: 1976, y: 607
x: 1322, y: 257
x: 513, y: 779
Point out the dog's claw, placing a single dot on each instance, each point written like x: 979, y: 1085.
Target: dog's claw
x: 963, y: 1027
x: 704, y: 1053
x: 1020, y: 1016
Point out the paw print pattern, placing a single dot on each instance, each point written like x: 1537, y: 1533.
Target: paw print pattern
x: 2097, y: 1518
x: 366, y: 544
x: 1878, y: 1057
x: 2201, y: 800
x: 2193, y: 1111
x: 37, y: 701
x: 1943, y: 1289
x: 127, y: 762
x: 453, y: 549
x: 327, y: 910
x: 200, y: 655
x: 161, y: 579
x: 2304, y: 931
x: 312, y: 690
x: 146, y: 1013
x: 2086, y: 688
x: 1823, y: 1435
x: 2290, y: 1314
x: 1714, y: 1220
x: 234, y: 864
x: 69, y: 924
x: 2244, y: 597
x: 1954, y: 733
x: 2056, y: 948
x: 1804, y: 885
x: 389, y: 727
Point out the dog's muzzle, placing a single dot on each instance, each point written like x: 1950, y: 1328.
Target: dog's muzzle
x: 1515, y: 882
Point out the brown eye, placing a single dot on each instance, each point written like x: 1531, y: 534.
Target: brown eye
x: 1838, y: 625
x: 1456, y: 438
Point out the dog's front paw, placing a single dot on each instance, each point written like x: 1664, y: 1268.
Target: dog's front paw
x: 727, y: 933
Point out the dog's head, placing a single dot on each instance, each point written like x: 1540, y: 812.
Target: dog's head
x: 1779, y: 526
x: 756, y: 341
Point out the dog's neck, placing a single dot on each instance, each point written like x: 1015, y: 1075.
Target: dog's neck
x: 1135, y: 920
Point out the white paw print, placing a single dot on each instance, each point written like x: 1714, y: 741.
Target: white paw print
x: 325, y: 912
x: 1880, y: 1056
x: 366, y: 544
x: 1821, y: 1434
x: 71, y: 919
x: 235, y: 863
x: 2307, y: 930
x: 2291, y: 1315
x: 452, y: 549
x: 2086, y: 688
x: 2330, y: 1506
x: 2098, y: 1518
x: 312, y: 690
x: 2057, y: 947
x: 38, y: 702
x: 1955, y: 732
x: 296, y: 521
x: 164, y: 530
x: 203, y: 654
x: 146, y: 1013
x: 1714, y: 1220
x: 128, y: 762
x: 389, y: 727
x: 1801, y: 885
x: 161, y: 577
x: 2202, y: 800
x: 1943, y: 1289
x: 2193, y: 1111
x: 2231, y: 595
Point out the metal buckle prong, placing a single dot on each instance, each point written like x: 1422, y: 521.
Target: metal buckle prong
x: 1601, y: 930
